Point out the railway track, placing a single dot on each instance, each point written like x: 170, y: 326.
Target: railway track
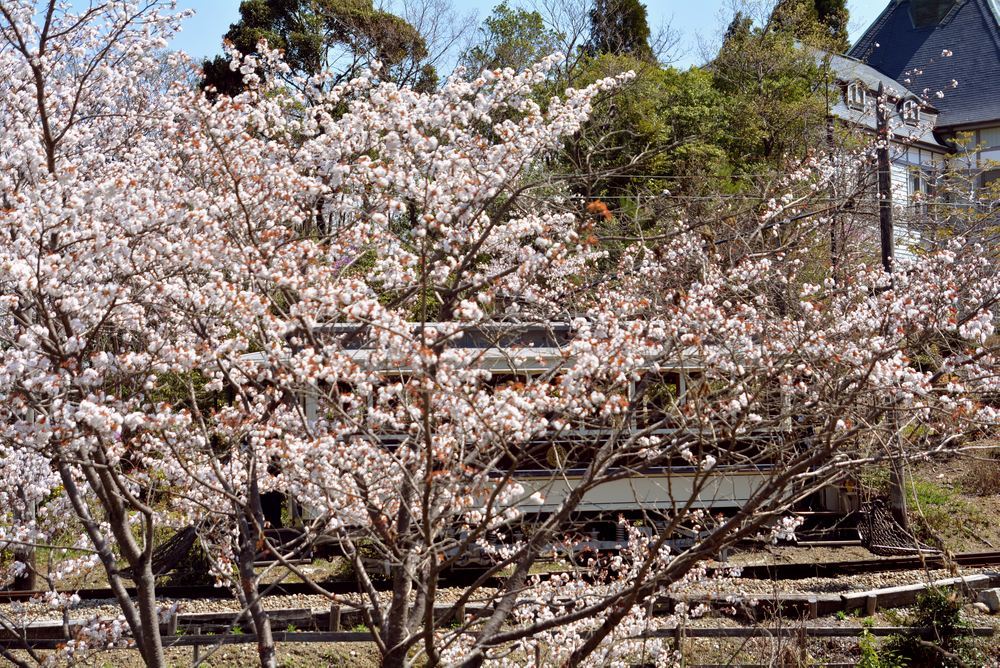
x: 311, y: 625
x: 833, y: 569
x: 795, y: 571
x: 282, y: 589
x: 189, y: 591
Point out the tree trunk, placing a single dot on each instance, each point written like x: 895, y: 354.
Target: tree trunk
x: 258, y: 615
x: 141, y: 615
x: 145, y: 585
x: 395, y: 629
x: 248, y: 583
x: 897, y: 491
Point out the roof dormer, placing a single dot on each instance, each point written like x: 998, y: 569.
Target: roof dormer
x: 929, y: 13
x: 856, y: 95
x: 909, y: 111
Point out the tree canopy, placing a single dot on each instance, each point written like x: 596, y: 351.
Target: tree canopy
x: 775, y: 93
x: 821, y: 23
x: 339, y: 36
x: 515, y: 38
x: 620, y: 27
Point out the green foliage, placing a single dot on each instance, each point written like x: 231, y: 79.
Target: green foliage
x: 317, y: 34
x: 821, y: 23
x: 620, y: 27
x: 664, y: 122
x: 514, y: 38
x: 874, y: 656
x: 875, y: 480
x: 939, y: 611
x: 697, y: 133
x: 775, y: 93
x: 930, y: 495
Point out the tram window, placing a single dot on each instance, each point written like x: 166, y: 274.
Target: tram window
x: 659, y: 394
x: 330, y: 401
x: 502, y: 381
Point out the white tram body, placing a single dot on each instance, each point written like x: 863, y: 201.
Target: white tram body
x: 662, y: 490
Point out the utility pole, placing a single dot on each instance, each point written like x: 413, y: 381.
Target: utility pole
x: 831, y: 147
x: 897, y: 492
x: 884, y: 180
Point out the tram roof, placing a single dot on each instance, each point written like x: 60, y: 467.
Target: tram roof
x: 501, y: 347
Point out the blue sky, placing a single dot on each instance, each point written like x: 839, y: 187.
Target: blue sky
x: 693, y: 19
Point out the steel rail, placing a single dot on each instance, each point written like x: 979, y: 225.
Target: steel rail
x: 793, y: 571
x: 834, y: 569
x: 282, y: 589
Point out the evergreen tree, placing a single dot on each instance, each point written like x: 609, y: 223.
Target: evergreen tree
x: 775, y: 104
x: 821, y: 23
x: 620, y: 27
x: 514, y: 38
x: 345, y: 35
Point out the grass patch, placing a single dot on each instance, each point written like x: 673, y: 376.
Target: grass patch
x: 941, y: 515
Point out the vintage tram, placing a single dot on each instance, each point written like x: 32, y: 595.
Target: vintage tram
x: 551, y: 466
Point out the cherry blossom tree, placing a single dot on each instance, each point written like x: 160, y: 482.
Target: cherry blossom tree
x: 80, y: 234
x: 375, y: 301
x: 408, y: 369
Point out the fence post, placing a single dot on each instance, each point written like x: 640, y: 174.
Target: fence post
x: 334, y: 618
x: 196, y: 650
x: 871, y: 604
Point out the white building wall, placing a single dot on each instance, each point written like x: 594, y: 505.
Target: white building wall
x: 912, y: 168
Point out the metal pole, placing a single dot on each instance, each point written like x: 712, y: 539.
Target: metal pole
x: 830, y: 144
x: 897, y: 492
x: 884, y: 181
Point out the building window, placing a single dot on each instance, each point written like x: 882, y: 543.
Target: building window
x: 857, y: 96
x: 989, y: 138
x: 989, y: 190
x: 910, y: 111
x: 921, y: 190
